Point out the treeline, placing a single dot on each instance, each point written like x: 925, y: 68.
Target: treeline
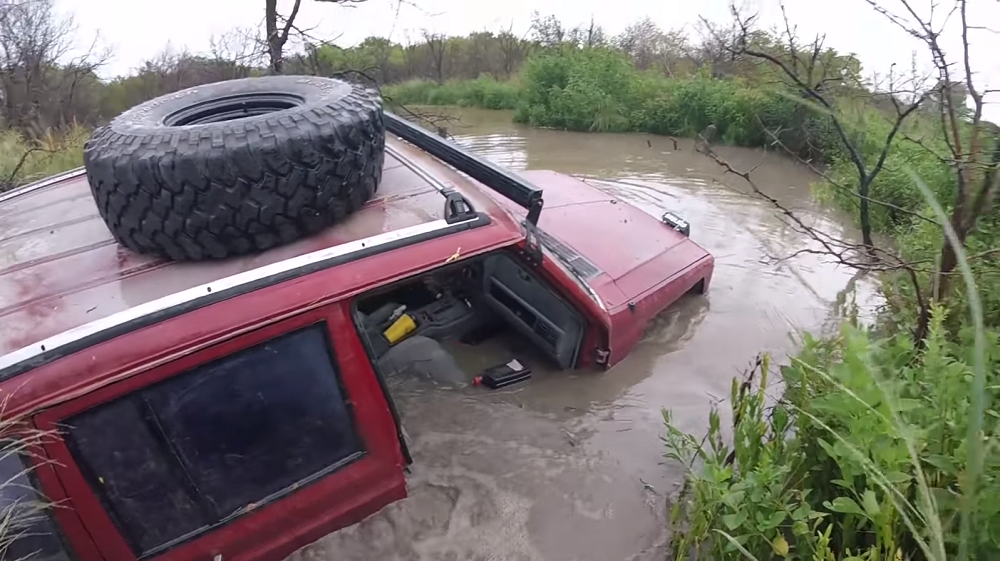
x: 45, y: 88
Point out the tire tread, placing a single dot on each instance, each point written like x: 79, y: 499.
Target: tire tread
x: 241, y: 187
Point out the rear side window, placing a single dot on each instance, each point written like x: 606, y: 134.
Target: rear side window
x: 196, y: 450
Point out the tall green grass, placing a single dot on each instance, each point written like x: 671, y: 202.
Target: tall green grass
x: 23, y: 512
x: 484, y: 92
x: 878, y: 448
x: 23, y: 161
x: 866, y: 456
x: 600, y: 90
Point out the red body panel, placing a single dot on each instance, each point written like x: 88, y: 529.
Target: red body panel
x: 60, y: 268
x: 60, y: 271
x: 137, y: 359
x: 645, y: 265
x: 358, y: 489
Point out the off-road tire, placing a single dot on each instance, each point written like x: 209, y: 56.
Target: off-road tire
x: 236, y: 167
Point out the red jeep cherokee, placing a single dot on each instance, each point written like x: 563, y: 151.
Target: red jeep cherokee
x: 200, y: 321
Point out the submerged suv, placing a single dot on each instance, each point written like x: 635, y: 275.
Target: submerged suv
x: 197, y: 327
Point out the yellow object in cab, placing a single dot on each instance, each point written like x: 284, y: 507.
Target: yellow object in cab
x: 399, y: 329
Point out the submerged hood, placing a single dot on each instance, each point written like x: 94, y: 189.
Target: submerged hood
x: 625, y: 251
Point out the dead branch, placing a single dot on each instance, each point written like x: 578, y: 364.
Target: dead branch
x: 811, y: 87
x: 276, y: 37
x: 938, y: 156
x: 862, y: 257
x: 776, y: 140
x: 11, y: 180
x: 971, y: 159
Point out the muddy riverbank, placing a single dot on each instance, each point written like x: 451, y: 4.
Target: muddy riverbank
x: 569, y: 466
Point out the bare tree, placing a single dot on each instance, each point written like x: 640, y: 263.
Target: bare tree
x: 39, y: 79
x: 673, y: 52
x: 588, y: 37
x: 806, y: 69
x: 715, y: 47
x: 512, y: 50
x: 278, y: 28
x: 236, y: 53
x: 649, y: 46
x: 639, y: 41
x: 973, y: 145
x: 548, y: 31
x: 479, y: 52
x: 412, y: 57
x: 437, y: 45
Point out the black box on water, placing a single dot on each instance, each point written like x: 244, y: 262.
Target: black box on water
x: 503, y: 375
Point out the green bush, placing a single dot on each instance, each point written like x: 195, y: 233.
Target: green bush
x: 686, y: 107
x: 862, y: 458
x: 582, y: 90
x: 600, y: 90
x: 484, y: 92
x: 22, y: 161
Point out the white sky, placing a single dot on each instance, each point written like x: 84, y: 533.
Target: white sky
x: 140, y: 30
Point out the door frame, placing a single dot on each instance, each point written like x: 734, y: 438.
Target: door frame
x: 300, y: 514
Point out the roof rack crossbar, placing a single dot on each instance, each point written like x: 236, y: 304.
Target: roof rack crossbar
x: 507, y: 184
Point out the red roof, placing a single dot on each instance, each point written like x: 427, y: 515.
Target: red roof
x: 60, y: 268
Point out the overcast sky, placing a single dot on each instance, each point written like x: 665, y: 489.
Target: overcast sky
x: 138, y: 30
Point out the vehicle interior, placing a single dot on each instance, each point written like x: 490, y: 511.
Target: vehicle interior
x: 415, y: 324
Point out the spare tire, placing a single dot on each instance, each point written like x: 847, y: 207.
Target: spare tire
x: 236, y: 167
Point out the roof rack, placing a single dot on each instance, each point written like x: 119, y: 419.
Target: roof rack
x: 456, y: 207
x: 507, y: 184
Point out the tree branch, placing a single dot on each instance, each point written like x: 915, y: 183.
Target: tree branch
x: 806, y: 89
x: 289, y: 21
x: 826, y: 177
x: 900, y: 117
x: 858, y: 256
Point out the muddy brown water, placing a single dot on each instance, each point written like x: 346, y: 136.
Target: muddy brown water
x: 569, y: 466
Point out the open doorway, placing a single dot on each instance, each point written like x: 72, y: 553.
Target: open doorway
x: 447, y: 323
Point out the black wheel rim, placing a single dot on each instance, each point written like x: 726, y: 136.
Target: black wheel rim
x: 232, y: 108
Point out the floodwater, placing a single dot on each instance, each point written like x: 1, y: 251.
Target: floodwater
x: 569, y: 466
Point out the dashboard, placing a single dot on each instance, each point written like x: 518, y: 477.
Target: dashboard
x: 532, y: 308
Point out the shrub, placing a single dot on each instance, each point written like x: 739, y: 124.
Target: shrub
x: 23, y: 161
x: 863, y: 457
x: 484, y: 92
x: 582, y: 90
x: 599, y: 90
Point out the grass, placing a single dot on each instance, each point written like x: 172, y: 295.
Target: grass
x: 22, y: 161
x: 22, y: 512
x: 878, y: 449
x: 974, y: 440
x: 483, y: 92
x: 864, y: 458
x: 599, y: 90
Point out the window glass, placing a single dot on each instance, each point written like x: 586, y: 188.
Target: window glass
x: 191, y: 451
x: 129, y: 467
x: 252, y: 424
